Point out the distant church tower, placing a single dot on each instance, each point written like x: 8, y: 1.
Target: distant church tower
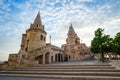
x: 72, y: 39
x: 73, y: 49
x: 35, y: 36
x: 73, y: 42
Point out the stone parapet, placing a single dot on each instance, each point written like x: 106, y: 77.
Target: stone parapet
x: 116, y: 64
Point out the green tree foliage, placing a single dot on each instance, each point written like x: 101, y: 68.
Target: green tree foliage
x: 96, y: 42
x: 101, y: 43
x: 116, y: 43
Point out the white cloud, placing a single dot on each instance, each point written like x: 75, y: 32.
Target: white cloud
x: 84, y: 0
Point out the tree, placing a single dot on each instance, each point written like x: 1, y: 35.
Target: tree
x: 116, y: 43
x: 101, y: 43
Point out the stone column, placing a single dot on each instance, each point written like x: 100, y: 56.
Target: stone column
x: 50, y: 58
x: 43, y: 58
x: 54, y: 58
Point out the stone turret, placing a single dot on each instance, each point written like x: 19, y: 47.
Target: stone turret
x: 35, y: 36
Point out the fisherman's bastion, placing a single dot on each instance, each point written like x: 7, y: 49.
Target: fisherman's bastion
x: 34, y: 49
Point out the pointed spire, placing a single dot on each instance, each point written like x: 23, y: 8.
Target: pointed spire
x: 37, y: 20
x: 71, y: 29
x: 71, y: 32
x: 37, y: 24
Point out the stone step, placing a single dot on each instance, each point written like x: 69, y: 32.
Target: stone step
x: 63, y: 77
x: 63, y: 73
x: 72, y: 67
x: 74, y: 64
x: 69, y: 65
x: 68, y: 70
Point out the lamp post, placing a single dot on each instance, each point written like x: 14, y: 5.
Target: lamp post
x: 50, y: 39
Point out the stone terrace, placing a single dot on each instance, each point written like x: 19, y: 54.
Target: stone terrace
x: 83, y: 70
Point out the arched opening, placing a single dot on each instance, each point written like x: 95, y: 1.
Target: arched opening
x: 40, y: 59
x: 41, y: 37
x: 55, y: 57
x: 59, y: 56
x: 37, y: 25
x: 47, y: 57
x: 66, y: 58
x: 76, y: 41
x: 51, y: 58
x: 69, y: 57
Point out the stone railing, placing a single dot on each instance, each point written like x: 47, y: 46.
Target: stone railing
x: 116, y: 64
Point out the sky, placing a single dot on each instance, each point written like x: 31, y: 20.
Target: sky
x: 57, y: 15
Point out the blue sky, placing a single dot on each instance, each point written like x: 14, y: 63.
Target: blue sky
x: 85, y: 15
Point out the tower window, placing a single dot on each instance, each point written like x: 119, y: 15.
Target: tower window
x: 26, y: 49
x: 41, y: 37
x: 37, y: 25
x: 69, y: 57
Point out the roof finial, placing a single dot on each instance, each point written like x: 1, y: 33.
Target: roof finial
x: 50, y: 39
x: 71, y: 27
x: 71, y: 30
x: 38, y: 15
x: 70, y: 24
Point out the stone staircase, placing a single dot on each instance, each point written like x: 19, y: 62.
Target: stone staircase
x: 66, y: 71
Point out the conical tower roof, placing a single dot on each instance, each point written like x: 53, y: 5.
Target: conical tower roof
x: 71, y: 30
x: 38, y: 19
x: 37, y: 24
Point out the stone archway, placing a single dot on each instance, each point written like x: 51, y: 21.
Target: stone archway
x: 59, y: 57
x: 40, y: 59
x: 66, y: 57
x: 51, y: 59
x: 47, y: 57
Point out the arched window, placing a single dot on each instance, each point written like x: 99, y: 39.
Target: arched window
x: 26, y: 49
x: 41, y: 37
x: 27, y: 42
x: 69, y: 56
x: 37, y: 25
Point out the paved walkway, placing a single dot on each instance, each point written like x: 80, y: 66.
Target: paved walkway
x: 83, y: 62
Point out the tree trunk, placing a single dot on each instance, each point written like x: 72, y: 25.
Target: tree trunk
x: 102, y: 56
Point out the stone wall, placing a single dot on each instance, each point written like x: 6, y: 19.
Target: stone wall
x: 12, y: 60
